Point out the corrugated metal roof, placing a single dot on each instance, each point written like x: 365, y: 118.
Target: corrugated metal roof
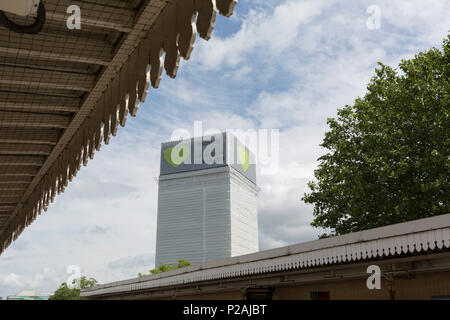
x: 63, y: 92
x: 395, y: 240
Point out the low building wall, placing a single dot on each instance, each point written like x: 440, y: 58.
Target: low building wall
x: 414, y: 277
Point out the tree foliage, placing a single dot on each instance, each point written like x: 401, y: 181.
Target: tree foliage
x: 64, y: 292
x: 167, y: 267
x: 388, y: 159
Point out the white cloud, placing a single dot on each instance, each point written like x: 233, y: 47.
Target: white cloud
x: 44, y: 279
x: 262, y: 33
x: 11, y: 280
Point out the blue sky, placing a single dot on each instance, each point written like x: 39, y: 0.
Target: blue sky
x: 284, y: 65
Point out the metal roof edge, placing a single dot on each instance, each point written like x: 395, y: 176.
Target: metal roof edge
x: 270, y: 260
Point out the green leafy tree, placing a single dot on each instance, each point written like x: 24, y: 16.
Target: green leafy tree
x: 183, y: 263
x: 167, y: 267
x: 64, y: 292
x: 388, y: 159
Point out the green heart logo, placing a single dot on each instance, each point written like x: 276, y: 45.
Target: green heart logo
x: 176, y: 156
x: 243, y: 158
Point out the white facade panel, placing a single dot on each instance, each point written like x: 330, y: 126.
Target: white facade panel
x: 205, y: 215
x: 244, y: 215
x: 193, y: 217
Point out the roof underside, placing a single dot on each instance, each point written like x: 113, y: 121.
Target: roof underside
x: 64, y: 92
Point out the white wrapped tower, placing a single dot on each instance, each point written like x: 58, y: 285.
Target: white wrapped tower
x: 207, y: 206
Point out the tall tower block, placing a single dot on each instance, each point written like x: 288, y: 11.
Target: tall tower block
x: 207, y: 206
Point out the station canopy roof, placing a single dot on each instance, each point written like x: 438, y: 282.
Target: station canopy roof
x: 64, y: 92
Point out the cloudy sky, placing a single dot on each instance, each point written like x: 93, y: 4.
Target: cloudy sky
x: 284, y: 65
